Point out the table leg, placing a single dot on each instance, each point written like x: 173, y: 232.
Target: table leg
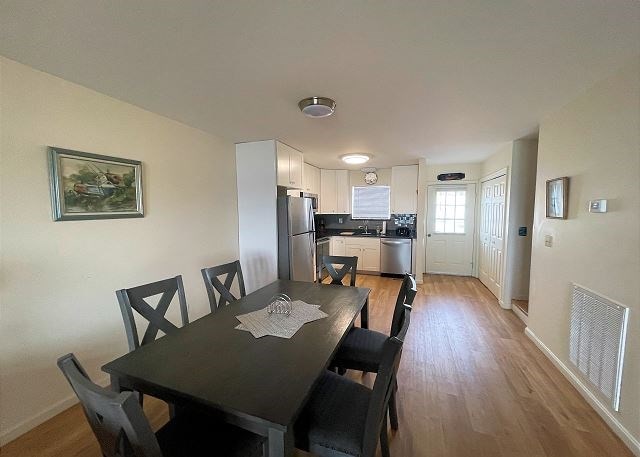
x: 364, y: 315
x: 280, y: 443
x: 115, y: 383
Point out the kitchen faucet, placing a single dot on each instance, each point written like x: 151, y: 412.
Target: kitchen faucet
x: 365, y: 227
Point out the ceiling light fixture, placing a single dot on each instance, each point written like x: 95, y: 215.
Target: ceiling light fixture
x: 317, y: 106
x: 355, y: 159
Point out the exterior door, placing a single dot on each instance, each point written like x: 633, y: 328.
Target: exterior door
x: 450, y: 229
x: 492, y: 222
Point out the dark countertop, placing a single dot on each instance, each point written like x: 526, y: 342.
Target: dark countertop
x: 358, y: 233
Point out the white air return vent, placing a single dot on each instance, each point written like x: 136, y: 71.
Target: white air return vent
x: 597, y: 337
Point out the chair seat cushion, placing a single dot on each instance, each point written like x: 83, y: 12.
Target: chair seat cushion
x: 361, y: 350
x: 332, y: 423
x: 195, y: 435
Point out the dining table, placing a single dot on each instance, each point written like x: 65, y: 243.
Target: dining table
x: 258, y: 384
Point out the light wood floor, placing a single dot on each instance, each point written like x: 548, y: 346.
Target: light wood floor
x: 471, y: 384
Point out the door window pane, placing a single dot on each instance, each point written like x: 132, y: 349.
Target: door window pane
x: 450, y: 211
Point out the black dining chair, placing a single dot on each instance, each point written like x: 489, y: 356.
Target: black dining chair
x: 349, y: 265
x: 362, y: 349
x: 122, y: 430
x: 213, y: 284
x: 135, y: 299
x: 345, y: 418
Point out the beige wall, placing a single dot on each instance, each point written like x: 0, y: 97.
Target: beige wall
x: 58, y: 278
x: 595, y: 140
x: 498, y: 160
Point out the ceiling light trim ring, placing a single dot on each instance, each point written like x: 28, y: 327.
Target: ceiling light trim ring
x: 317, y: 106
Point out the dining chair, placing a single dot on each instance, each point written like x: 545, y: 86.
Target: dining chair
x: 135, y: 298
x: 213, y: 284
x: 349, y: 266
x: 362, y: 348
x: 122, y: 429
x: 345, y: 418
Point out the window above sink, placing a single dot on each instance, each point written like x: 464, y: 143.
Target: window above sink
x: 372, y: 202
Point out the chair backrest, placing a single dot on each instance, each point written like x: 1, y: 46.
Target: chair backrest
x: 212, y: 283
x: 117, y: 420
x: 134, y: 299
x: 349, y: 265
x: 383, y: 386
x: 406, y: 294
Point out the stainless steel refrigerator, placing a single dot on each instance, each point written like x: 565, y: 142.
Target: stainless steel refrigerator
x: 296, y: 239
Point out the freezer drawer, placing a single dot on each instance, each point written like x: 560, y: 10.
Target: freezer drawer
x: 395, y: 256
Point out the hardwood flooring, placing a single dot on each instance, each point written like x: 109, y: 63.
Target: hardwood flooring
x: 471, y: 384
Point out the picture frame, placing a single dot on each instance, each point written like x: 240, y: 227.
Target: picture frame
x: 557, y: 200
x: 91, y: 186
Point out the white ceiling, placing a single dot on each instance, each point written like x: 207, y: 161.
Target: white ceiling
x: 445, y: 80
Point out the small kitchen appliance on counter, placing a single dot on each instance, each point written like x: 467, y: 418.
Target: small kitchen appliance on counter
x: 403, y: 231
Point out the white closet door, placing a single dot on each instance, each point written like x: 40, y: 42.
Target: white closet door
x: 492, y: 226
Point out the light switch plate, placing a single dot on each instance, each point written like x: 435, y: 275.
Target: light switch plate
x: 598, y: 206
x: 548, y: 241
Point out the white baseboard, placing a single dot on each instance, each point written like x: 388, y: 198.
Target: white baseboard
x: 32, y: 422
x: 518, y: 312
x: 632, y: 442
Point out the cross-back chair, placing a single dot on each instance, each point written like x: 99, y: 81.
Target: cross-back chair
x: 349, y: 266
x: 213, y: 284
x: 362, y: 348
x: 135, y: 299
x: 122, y: 429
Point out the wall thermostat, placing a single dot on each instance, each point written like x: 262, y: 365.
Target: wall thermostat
x: 597, y: 206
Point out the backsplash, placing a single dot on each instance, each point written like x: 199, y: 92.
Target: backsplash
x: 332, y: 222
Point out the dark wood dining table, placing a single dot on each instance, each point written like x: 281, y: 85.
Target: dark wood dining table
x: 259, y: 384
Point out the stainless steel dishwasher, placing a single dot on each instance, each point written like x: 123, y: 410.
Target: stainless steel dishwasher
x: 395, y: 256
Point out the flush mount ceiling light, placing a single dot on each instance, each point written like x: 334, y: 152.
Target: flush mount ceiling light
x: 317, y: 106
x: 355, y: 159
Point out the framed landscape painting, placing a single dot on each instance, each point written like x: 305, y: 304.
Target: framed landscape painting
x: 92, y: 186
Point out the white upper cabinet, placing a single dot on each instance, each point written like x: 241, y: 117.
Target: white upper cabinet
x: 290, y: 163
x: 328, y: 195
x: 311, y: 179
x: 335, y: 195
x: 404, y: 189
x: 343, y: 192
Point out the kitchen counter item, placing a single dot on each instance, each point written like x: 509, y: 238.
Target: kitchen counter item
x: 403, y: 231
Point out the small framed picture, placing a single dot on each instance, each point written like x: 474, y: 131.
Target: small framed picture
x: 557, y: 198
x: 92, y: 186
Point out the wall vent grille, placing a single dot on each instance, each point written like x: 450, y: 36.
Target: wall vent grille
x: 597, y: 339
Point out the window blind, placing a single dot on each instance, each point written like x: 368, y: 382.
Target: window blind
x: 371, y: 202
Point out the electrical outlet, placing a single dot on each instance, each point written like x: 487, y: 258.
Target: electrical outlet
x: 340, y: 220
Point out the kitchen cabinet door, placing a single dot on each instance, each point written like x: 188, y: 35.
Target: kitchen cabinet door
x: 295, y: 168
x: 307, y: 178
x: 328, y: 195
x: 283, y: 164
x: 404, y: 189
x: 354, y: 251
x: 337, y: 246
x: 370, y: 259
x: 289, y: 166
x: 316, y: 181
x: 343, y: 192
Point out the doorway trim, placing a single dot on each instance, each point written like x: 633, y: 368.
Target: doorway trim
x: 476, y: 233
x: 505, y: 300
